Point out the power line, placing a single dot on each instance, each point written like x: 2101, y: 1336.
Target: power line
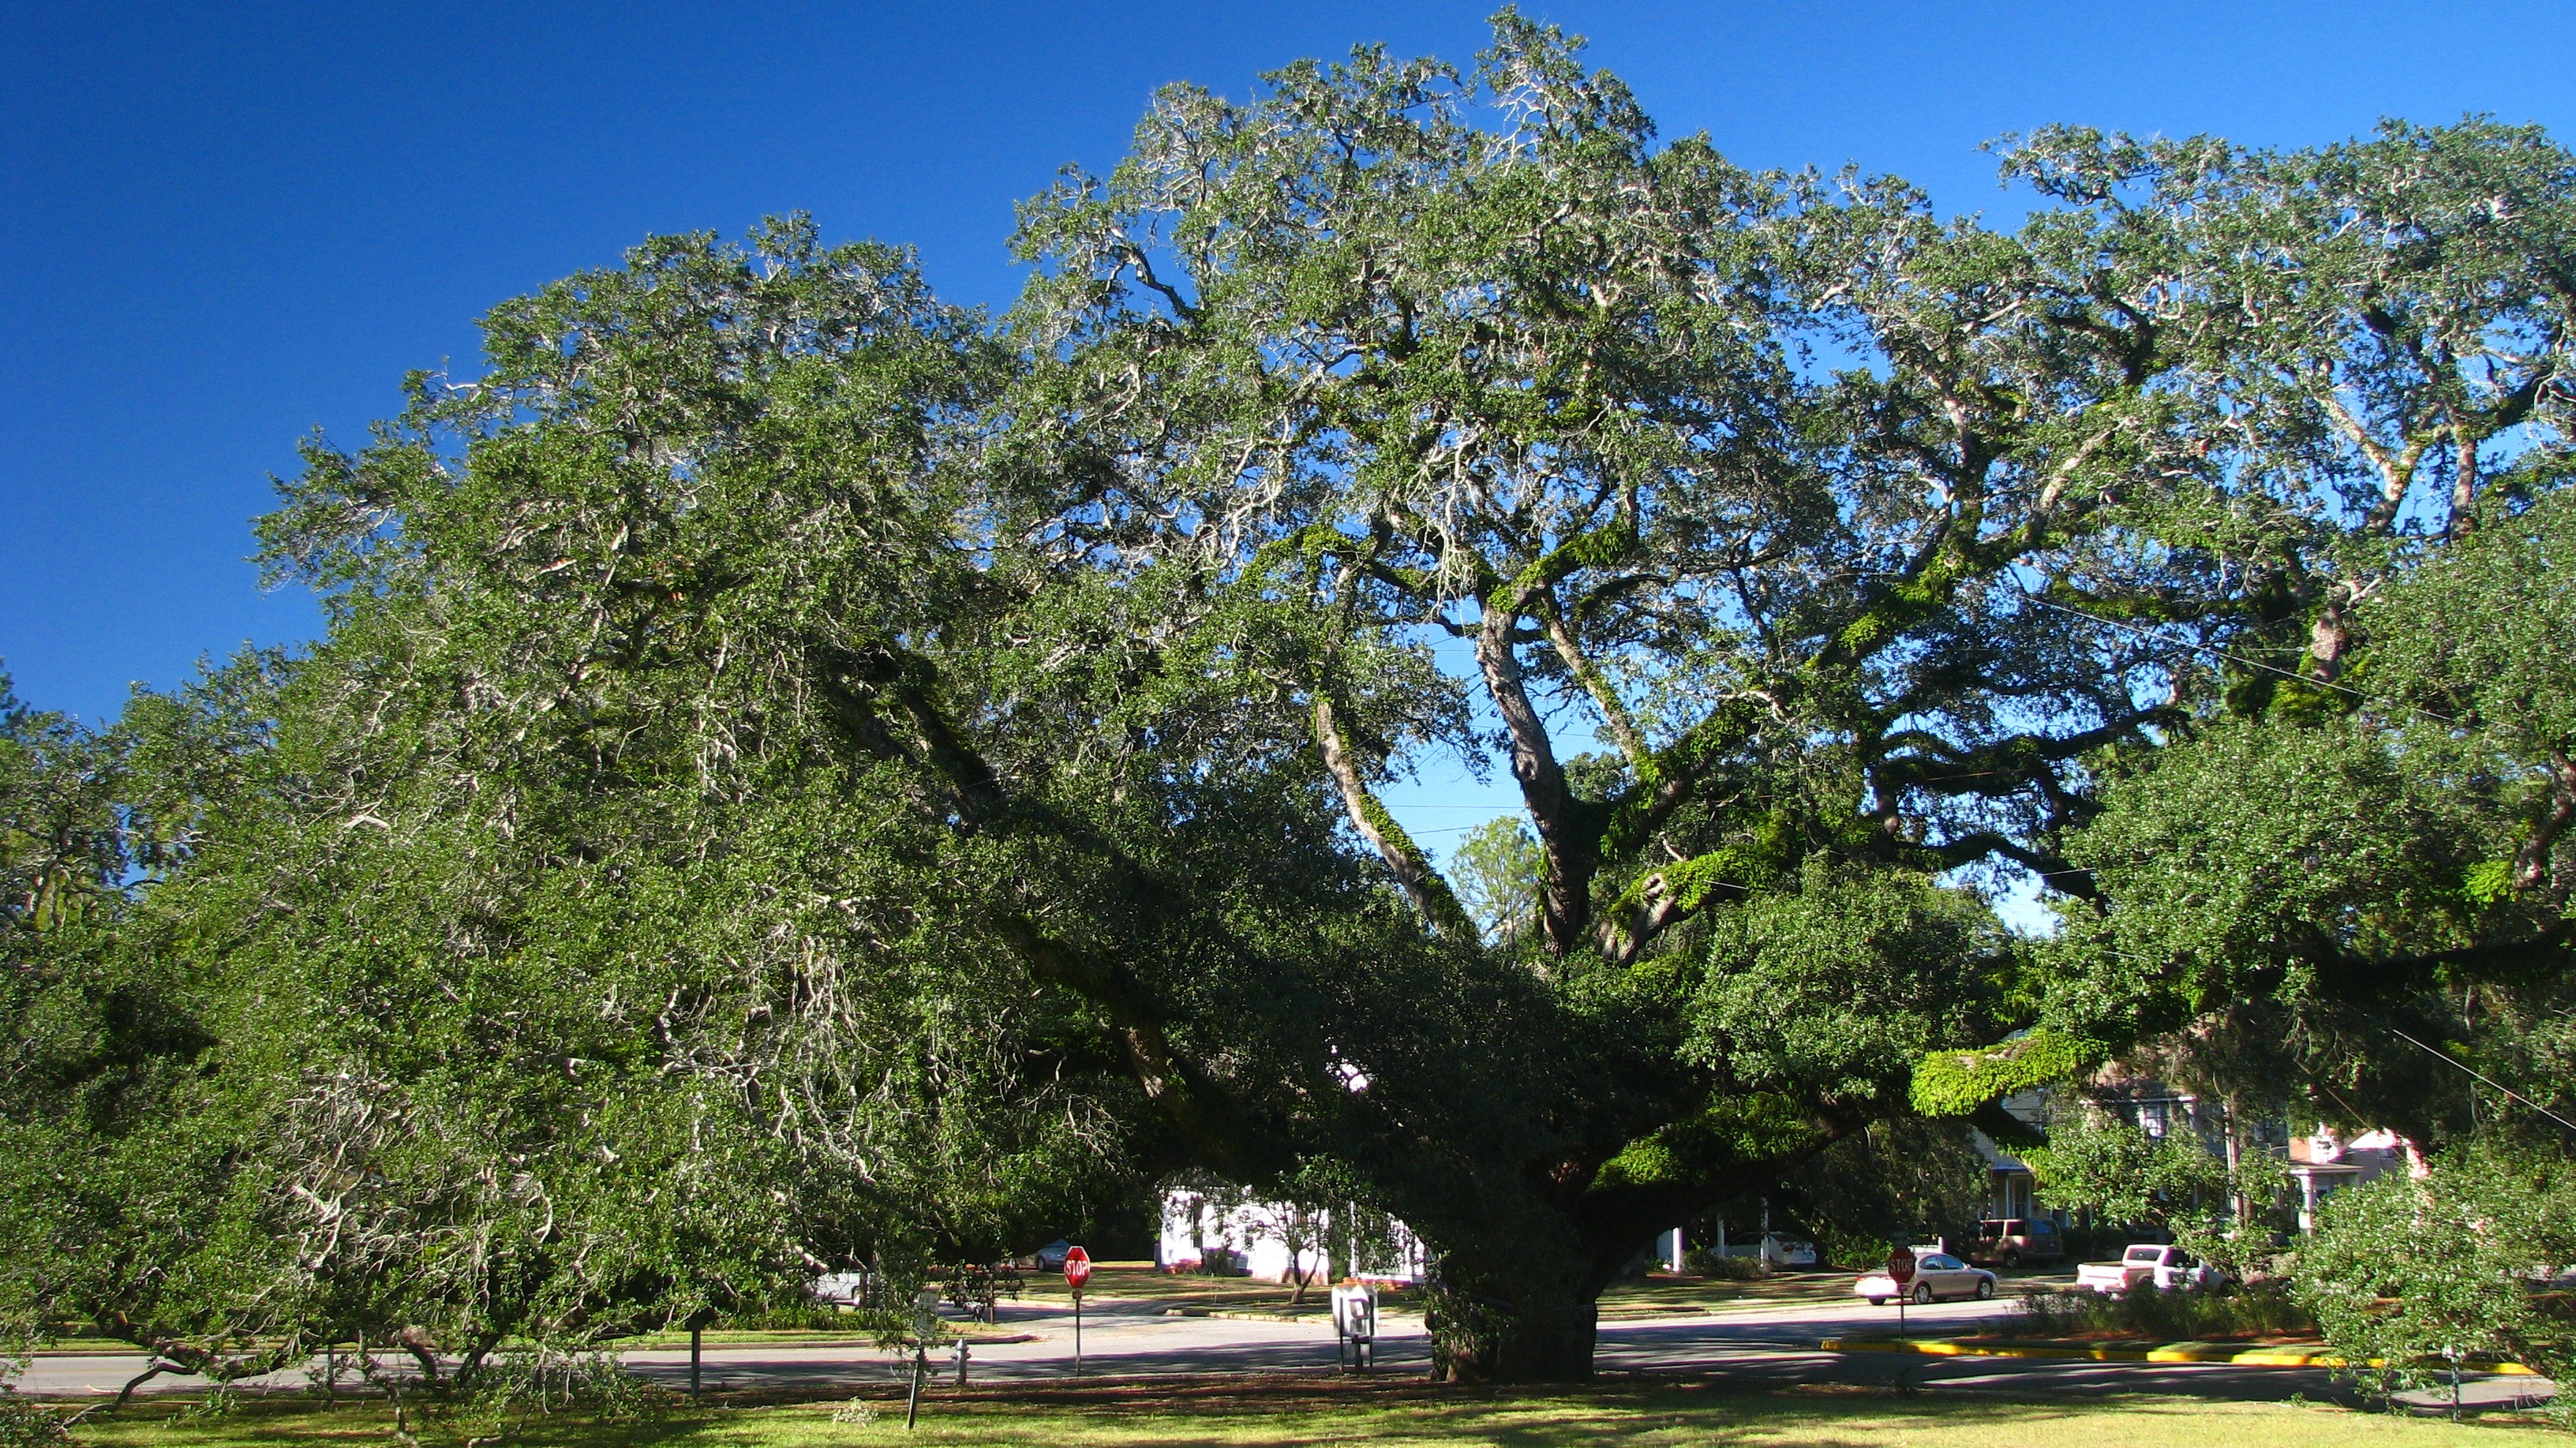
x: 2252, y: 663
x: 2509, y: 1093
x: 2154, y: 637
x: 2436, y: 1053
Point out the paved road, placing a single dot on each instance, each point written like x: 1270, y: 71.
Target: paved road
x: 1767, y: 1344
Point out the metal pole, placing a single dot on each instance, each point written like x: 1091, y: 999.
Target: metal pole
x: 1077, y: 1332
x: 912, y: 1402
x: 694, y: 1334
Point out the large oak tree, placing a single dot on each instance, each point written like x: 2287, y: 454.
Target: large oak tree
x: 798, y: 776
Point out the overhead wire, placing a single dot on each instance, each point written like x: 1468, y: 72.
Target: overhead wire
x: 2509, y: 1093
x: 2231, y: 656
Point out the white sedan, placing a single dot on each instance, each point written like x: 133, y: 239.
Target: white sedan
x: 1936, y: 1275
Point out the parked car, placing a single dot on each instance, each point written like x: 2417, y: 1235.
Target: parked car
x: 1051, y: 1256
x: 1936, y: 1275
x: 2011, y: 1241
x: 847, y: 1289
x: 1782, y: 1251
x: 2148, y: 1264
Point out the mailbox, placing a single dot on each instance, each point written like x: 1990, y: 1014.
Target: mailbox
x: 1355, y: 1325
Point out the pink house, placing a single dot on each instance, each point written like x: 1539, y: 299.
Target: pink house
x: 2322, y: 1163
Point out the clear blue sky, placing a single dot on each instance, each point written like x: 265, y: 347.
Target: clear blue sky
x: 226, y: 225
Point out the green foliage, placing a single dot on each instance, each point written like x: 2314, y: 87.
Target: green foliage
x: 25, y: 1423
x: 2123, y: 1175
x: 1955, y: 1083
x: 2361, y: 833
x: 1704, y: 1262
x: 1834, y: 992
x: 2242, y: 846
x: 2178, y: 1316
x: 1903, y: 1179
x: 2415, y: 1277
x: 798, y: 776
x: 556, y: 968
x: 1499, y: 872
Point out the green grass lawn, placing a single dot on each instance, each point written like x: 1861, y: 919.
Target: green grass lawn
x: 1676, y: 1293
x: 1242, y: 1414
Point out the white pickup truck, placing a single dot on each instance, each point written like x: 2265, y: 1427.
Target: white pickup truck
x: 2146, y: 1265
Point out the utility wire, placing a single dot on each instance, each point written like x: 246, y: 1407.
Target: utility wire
x: 2509, y: 1092
x: 2435, y: 1052
x: 2152, y: 636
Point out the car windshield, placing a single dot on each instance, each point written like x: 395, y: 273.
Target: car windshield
x: 2146, y: 1254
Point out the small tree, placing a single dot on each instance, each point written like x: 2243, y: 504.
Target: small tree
x: 1500, y: 873
x: 1301, y: 1231
x: 2125, y: 1176
x: 2410, y: 1278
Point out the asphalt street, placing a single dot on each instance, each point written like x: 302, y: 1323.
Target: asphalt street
x: 1755, y: 1344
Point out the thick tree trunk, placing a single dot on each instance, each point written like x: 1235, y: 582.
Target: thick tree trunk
x: 1492, y: 1328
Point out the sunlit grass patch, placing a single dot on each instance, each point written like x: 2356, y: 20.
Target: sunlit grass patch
x: 1253, y: 1414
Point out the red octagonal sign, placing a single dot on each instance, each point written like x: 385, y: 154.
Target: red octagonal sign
x: 1900, y: 1266
x: 1077, y: 1268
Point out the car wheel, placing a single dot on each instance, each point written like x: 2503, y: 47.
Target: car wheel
x: 1985, y: 1289
x: 1923, y: 1294
x: 1878, y: 1302
x: 2012, y: 1259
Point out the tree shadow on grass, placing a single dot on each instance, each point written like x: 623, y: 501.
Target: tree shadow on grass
x: 1235, y: 1413
x: 1231, y: 1415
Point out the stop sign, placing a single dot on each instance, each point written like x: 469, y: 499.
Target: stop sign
x: 1077, y: 1268
x: 1900, y: 1266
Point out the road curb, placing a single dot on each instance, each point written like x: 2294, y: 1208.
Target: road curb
x: 2252, y: 1357
x: 1230, y: 1314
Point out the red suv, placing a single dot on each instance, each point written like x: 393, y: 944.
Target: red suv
x: 2011, y: 1241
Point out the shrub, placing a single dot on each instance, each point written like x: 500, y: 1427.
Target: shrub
x: 809, y: 1318
x: 1863, y: 1251
x: 1704, y: 1262
x: 2418, y: 1276
x: 26, y: 1423
x: 2169, y: 1316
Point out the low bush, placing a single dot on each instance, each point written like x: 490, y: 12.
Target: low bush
x: 1704, y: 1263
x: 2418, y: 1275
x: 25, y: 1423
x: 818, y: 1317
x: 1853, y: 1251
x: 2168, y: 1316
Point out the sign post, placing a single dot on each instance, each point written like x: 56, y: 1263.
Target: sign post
x: 1900, y: 1270
x: 1077, y: 1271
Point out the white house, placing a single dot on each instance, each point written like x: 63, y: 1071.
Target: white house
x: 1205, y: 1224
